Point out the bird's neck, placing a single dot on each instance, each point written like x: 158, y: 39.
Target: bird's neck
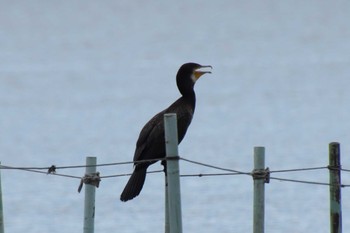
x: 190, y: 97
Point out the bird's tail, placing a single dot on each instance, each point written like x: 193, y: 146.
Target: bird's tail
x: 135, y: 184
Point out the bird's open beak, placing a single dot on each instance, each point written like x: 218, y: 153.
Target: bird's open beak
x: 202, y: 70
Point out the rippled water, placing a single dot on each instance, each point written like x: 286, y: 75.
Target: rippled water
x: 81, y: 78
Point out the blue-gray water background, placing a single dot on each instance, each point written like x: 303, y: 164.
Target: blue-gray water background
x: 80, y: 78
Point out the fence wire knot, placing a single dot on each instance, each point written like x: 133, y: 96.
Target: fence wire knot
x: 173, y: 157
x: 334, y: 168
x: 259, y: 174
x: 92, y: 179
x: 51, y: 170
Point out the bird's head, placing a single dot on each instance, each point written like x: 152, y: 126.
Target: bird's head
x: 188, y: 74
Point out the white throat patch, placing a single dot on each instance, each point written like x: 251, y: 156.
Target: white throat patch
x: 193, y: 77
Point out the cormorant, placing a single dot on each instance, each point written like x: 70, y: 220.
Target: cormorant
x: 151, y: 143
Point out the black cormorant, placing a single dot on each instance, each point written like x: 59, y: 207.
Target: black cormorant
x: 151, y: 143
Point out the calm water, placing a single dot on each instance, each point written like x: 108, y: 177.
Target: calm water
x: 81, y: 78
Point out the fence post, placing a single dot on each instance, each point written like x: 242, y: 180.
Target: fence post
x: 259, y: 176
x: 173, y: 173
x: 2, y: 228
x: 167, y: 227
x: 89, y: 203
x: 335, y: 187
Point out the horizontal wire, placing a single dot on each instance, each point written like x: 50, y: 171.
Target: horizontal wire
x: 229, y: 171
x: 41, y: 172
x: 129, y: 174
x: 188, y: 175
x: 248, y: 173
x: 211, y: 174
x: 215, y: 167
x: 306, y: 182
x: 63, y: 175
x: 299, y: 169
x: 23, y: 168
x: 70, y: 176
x: 160, y: 159
x: 84, y: 166
x: 299, y: 181
x: 271, y: 178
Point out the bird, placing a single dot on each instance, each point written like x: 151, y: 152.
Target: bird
x: 151, y: 142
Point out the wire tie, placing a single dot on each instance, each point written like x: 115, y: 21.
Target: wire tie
x: 173, y: 158
x: 259, y: 174
x: 51, y: 170
x: 92, y: 179
x: 334, y: 168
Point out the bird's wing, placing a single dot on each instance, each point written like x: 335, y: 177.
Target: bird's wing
x: 151, y: 132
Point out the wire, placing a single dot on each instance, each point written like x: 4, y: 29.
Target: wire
x: 307, y: 182
x: 299, y: 169
x: 35, y: 171
x: 228, y: 172
x: 63, y: 175
x: 160, y: 159
x: 84, y: 166
x: 299, y: 181
x: 128, y: 174
x: 23, y: 168
x: 211, y: 174
x: 69, y: 176
x: 345, y: 170
x: 215, y: 167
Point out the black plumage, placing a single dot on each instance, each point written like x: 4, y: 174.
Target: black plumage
x: 151, y: 142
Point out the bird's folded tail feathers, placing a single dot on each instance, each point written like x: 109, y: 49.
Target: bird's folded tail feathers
x: 134, y: 185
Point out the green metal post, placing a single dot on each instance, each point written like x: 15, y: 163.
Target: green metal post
x: 2, y: 228
x: 89, y: 207
x: 259, y: 190
x: 173, y: 173
x: 335, y: 187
